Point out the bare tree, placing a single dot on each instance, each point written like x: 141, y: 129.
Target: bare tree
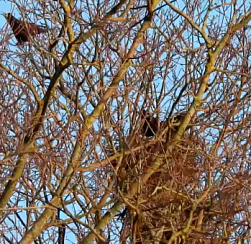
x: 126, y: 122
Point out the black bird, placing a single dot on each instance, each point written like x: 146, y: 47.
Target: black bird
x: 23, y: 30
x: 151, y: 127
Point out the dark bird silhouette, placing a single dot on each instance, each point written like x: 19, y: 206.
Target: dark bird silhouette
x: 151, y: 126
x: 23, y: 30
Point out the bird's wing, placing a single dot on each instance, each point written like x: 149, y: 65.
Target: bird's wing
x: 34, y: 29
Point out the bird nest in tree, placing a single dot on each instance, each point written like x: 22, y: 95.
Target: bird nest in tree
x: 161, y: 204
x: 172, y: 205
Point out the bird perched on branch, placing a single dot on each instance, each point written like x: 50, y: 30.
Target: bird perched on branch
x: 23, y: 30
x: 151, y: 126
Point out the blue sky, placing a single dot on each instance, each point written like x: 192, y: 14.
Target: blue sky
x: 6, y: 8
